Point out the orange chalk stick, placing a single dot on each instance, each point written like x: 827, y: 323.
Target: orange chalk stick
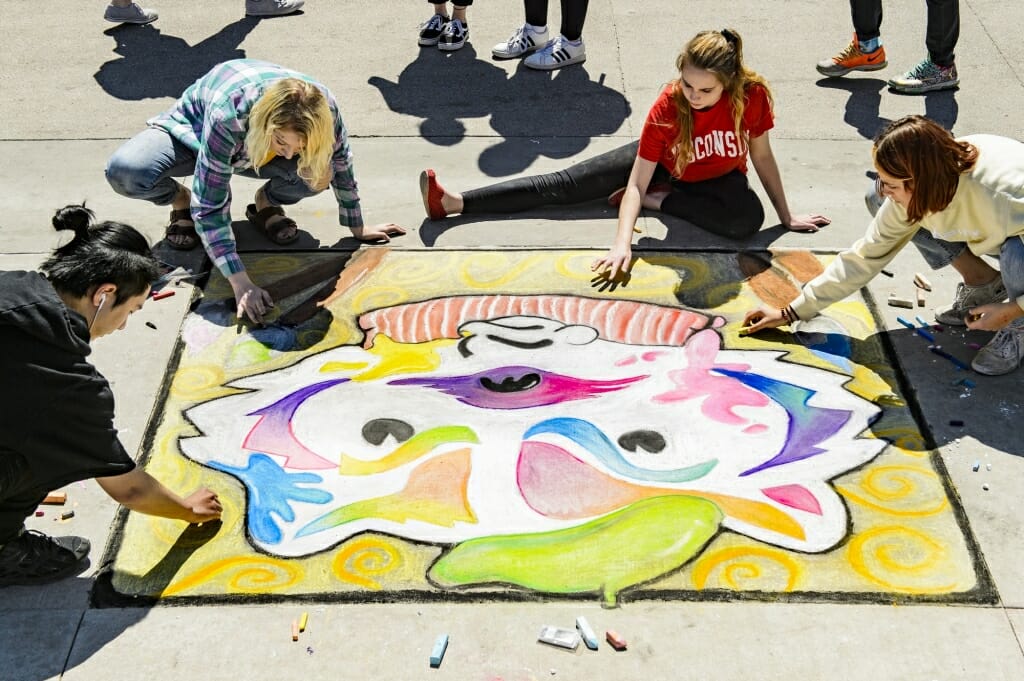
x: 615, y: 640
x: 56, y: 498
x: 295, y: 630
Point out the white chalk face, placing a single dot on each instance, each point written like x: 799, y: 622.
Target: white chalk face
x: 528, y: 425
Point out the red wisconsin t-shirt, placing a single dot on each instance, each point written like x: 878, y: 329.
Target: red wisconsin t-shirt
x: 716, y: 148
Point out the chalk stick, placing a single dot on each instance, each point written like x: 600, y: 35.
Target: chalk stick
x: 556, y: 636
x: 56, y: 498
x: 921, y: 320
x: 303, y: 621
x: 615, y: 640
x: 924, y: 334
x: 905, y: 323
x: 589, y: 637
x: 67, y: 515
x: 295, y: 630
x: 163, y: 294
x: 151, y: 325
x: 887, y: 273
x: 976, y: 466
x: 437, y: 654
x: 920, y: 297
x: 39, y: 514
x: 921, y: 282
x: 895, y: 301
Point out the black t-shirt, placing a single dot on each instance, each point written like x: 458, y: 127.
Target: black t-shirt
x: 56, y: 410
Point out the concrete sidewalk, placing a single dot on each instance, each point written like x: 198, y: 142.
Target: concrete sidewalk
x: 73, y: 88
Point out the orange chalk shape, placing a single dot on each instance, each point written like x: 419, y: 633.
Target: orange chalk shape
x: 56, y: 498
x: 615, y: 640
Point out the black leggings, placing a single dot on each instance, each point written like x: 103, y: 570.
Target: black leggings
x: 725, y: 205
x: 574, y: 13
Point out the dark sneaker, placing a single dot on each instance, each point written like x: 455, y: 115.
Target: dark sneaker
x: 926, y: 77
x: 431, y: 29
x: 454, y: 36
x: 967, y: 297
x: 1003, y: 353
x: 34, y: 558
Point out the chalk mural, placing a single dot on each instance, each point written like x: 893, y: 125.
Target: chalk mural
x: 505, y: 428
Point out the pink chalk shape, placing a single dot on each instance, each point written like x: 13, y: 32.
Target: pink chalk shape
x: 794, y: 496
x: 755, y: 429
x: 626, y: 362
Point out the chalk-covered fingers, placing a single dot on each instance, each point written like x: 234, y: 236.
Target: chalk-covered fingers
x: 613, y: 263
x: 382, y: 232
x: 204, y: 505
x: 763, y: 318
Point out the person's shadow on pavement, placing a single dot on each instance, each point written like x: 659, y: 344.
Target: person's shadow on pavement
x: 525, y: 108
x: 864, y: 104
x: 154, y: 65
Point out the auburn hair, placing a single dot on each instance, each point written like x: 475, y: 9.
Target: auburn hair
x: 295, y: 105
x: 927, y: 159
x: 721, y: 53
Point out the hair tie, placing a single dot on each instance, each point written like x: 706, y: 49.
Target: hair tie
x: 729, y: 36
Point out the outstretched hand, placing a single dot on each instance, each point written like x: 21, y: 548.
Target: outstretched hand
x: 382, y: 232
x: 993, y: 316
x: 614, y: 263
x: 807, y: 223
x: 764, y: 318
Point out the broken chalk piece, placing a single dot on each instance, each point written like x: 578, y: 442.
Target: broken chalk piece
x: 985, y: 487
x: 921, y: 282
x: 988, y: 466
x: 303, y: 621
x: 921, y: 320
x: 920, y: 297
x: 556, y: 636
x: 39, y: 514
x: 895, y: 301
x: 151, y: 325
x: 56, y: 498
x: 615, y: 640
x: 887, y: 273
x: 163, y: 294
x: 976, y: 466
x: 67, y: 515
x: 637, y: 229
x: 437, y: 654
x: 295, y: 630
x: 589, y: 637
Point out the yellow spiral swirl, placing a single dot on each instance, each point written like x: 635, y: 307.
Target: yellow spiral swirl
x: 401, y: 270
x: 495, y: 269
x: 195, y: 382
x: 246, y: 574
x: 740, y: 568
x: 898, y: 490
x: 358, y: 560
x: 901, y: 559
x: 376, y: 297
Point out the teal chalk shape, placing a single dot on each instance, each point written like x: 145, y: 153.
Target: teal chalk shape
x: 437, y: 654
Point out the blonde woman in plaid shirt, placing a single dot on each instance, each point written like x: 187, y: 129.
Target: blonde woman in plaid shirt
x: 251, y: 118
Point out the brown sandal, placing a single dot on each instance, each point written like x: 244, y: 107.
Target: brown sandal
x: 259, y: 218
x: 175, y: 227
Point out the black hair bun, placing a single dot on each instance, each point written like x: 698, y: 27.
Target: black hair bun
x: 74, y: 217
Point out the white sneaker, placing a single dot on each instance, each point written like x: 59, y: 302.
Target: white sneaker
x: 524, y: 41
x: 132, y: 14
x: 272, y: 8
x: 1003, y: 353
x: 556, y: 54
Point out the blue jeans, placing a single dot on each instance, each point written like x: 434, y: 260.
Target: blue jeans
x: 1011, y: 266
x: 143, y: 166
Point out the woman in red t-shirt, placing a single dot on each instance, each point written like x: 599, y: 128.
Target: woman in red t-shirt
x: 690, y: 161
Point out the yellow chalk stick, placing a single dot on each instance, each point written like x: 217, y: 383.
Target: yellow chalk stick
x: 303, y: 620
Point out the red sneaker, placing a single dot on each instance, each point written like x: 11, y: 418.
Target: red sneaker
x: 432, y: 193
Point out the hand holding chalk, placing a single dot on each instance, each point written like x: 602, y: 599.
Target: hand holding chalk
x: 253, y: 302
x: 203, y: 505
x: 993, y: 316
x: 764, y: 318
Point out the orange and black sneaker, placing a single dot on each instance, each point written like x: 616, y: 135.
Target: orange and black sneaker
x: 852, y: 59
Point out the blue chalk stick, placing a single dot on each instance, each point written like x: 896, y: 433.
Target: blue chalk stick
x: 905, y: 323
x: 437, y: 654
x: 589, y: 637
x: 922, y: 322
x: 924, y: 334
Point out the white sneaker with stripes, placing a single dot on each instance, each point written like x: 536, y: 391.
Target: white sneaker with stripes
x: 556, y: 54
x: 524, y: 41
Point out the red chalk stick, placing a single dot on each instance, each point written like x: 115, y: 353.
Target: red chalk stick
x: 163, y: 294
x: 615, y: 640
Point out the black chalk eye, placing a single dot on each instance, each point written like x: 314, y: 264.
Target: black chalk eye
x: 511, y: 384
x: 648, y: 440
x: 377, y: 430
